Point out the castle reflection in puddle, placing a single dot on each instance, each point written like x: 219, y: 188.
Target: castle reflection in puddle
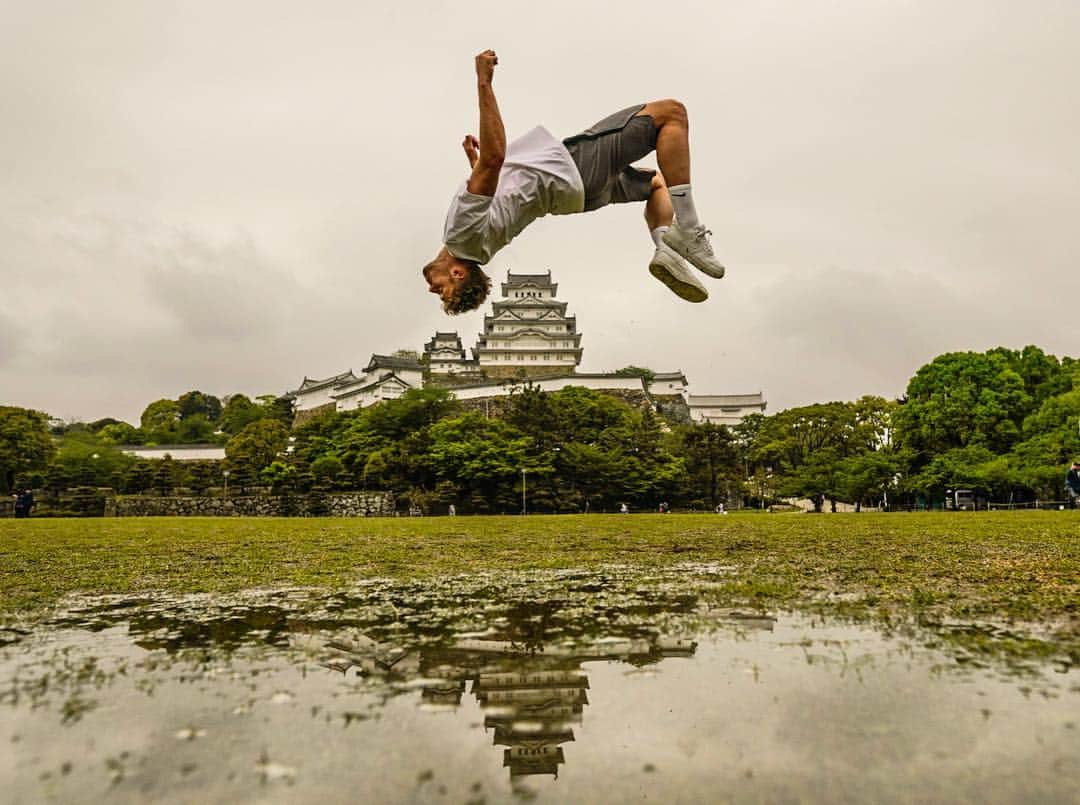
x: 533, y: 695
x: 575, y: 676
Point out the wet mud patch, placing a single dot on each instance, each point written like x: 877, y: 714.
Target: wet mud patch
x: 601, y: 685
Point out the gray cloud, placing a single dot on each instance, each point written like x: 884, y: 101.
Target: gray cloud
x: 10, y: 337
x: 232, y: 197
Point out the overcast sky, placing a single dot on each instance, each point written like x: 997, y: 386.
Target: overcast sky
x: 231, y: 195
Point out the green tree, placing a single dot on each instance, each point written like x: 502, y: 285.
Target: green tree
x: 530, y: 410
x: 195, y: 403
x: 256, y: 446
x: 87, y: 459
x: 279, y: 408
x: 238, y: 413
x: 868, y: 476
x: 195, y: 429
x: 482, y: 457
x: 25, y: 443
x: 159, y: 421
x: 139, y: 477
x: 280, y: 475
x: 121, y: 433
x: 165, y: 475
x: 328, y: 469
x: 98, y: 424
x: 712, y: 460
x: 201, y: 475
x: 961, y: 399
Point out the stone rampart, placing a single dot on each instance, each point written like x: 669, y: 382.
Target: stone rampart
x: 331, y: 504
x: 497, y: 372
x: 308, y: 414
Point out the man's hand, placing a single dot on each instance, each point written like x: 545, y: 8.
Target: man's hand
x: 485, y: 66
x: 472, y: 149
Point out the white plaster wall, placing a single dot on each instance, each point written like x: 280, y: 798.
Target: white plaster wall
x: 305, y: 401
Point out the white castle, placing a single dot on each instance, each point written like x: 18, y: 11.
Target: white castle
x: 528, y: 338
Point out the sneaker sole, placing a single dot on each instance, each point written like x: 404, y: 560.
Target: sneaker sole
x: 676, y: 247
x: 684, y: 290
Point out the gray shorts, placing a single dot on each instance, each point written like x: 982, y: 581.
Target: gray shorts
x: 604, y: 154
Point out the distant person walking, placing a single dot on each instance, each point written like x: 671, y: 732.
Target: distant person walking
x: 24, y: 503
x: 1072, y: 484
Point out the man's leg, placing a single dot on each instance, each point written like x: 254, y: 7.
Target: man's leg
x: 658, y: 209
x: 666, y: 265
x: 688, y: 237
x: 672, y: 139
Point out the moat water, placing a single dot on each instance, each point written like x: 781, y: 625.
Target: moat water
x: 560, y: 687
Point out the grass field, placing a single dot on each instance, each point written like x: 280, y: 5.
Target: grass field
x: 1009, y: 566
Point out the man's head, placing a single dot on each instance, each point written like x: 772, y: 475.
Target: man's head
x: 1076, y: 464
x: 461, y: 284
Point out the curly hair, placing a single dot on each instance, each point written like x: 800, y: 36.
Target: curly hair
x: 470, y: 293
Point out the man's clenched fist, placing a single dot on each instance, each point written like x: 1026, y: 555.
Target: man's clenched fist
x: 485, y: 66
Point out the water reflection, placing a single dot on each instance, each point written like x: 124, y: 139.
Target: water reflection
x: 531, y: 693
x: 585, y: 686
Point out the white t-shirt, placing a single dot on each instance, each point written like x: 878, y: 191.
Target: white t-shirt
x: 538, y: 178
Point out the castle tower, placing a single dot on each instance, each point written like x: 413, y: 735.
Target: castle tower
x: 444, y: 355
x: 528, y: 332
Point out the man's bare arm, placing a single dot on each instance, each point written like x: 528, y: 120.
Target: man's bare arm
x: 485, y: 174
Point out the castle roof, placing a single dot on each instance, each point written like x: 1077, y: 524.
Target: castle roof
x: 392, y: 362
x: 727, y: 400
x: 353, y: 390
x: 313, y: 384
x: 528, y: 280
x: 667, y: 376
x: 430, y: 346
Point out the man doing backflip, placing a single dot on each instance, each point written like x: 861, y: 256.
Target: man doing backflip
x: 536, y: 175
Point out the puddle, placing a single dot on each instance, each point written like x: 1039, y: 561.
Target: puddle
x: 569, y: 686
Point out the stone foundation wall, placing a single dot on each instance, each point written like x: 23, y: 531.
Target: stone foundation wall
x: 449, y: 381
x: 673, y: 408
x: 334, y: 504
x: 489, y: 406
x: 531, y: 373
x: 305, y: 416
x: 496, y: 406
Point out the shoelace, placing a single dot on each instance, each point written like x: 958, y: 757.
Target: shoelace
x: 702, y: 242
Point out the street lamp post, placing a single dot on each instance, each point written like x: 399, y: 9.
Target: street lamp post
x: 225, y: 474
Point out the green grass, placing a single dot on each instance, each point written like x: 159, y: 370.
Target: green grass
x: 1017, y: 567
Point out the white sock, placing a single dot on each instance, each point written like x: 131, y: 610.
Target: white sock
x: 657, y: 234
x: 683, y: 202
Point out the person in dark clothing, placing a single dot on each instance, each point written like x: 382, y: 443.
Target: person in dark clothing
x: 1072, y: 484
x: 24, y: 503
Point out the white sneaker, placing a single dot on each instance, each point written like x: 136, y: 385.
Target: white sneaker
x: 693, y: 246
x: 670, y: 269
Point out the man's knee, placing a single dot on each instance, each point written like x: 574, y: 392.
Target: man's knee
x: 667, y: 111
